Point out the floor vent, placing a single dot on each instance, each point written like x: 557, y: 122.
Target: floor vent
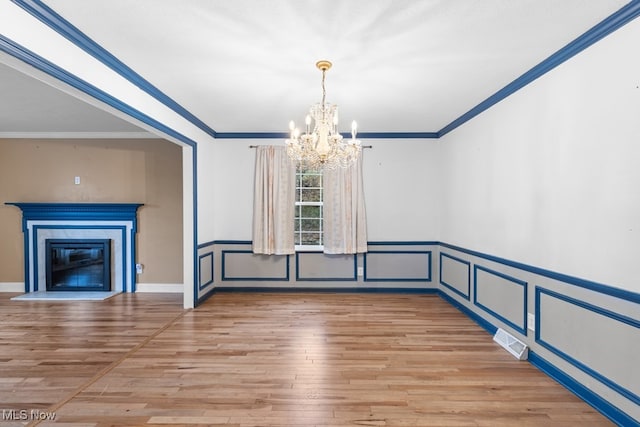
x: 511, y: 344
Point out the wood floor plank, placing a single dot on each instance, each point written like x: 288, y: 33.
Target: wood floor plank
x: 270, y: 359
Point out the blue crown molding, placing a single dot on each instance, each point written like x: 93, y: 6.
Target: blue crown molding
x: 33, y: 59
x: 362, y: 135
x: 45, y: 14
x: 623, y: 16
x: 49, y: 17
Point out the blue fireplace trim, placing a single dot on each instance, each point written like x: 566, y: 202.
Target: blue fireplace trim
x: 40, y: 211
x: 78, y: 212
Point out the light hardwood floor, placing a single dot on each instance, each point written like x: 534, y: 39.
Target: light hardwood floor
x: 268, y: 359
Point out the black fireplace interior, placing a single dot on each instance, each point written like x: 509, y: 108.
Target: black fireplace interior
x: 78, y: 264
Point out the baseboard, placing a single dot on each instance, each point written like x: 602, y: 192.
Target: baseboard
x: 177, y: 288
x: 11, y: 286
x: 349, y: 290
x: 487, y: 326
x: 597, y: 402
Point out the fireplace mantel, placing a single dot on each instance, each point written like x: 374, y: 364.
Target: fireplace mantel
x: 117, y: 221
x: 78, y: 211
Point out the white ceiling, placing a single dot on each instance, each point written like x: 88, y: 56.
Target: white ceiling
x: 249, y: 65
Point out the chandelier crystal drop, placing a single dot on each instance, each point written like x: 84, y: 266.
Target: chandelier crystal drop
x: 322, y: 146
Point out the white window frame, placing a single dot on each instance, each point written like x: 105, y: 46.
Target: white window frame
x: 309, y: 248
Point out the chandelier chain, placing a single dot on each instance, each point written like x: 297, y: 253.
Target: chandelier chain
x: 324, y: 91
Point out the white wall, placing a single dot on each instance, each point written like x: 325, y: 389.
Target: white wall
x: 549, y: 176
x: 400, y: 179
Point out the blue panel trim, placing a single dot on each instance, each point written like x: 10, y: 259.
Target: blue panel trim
x: 134, y: 277
x: 487, y: 326
x: 224, y: 276
x: 354, y: 278
x: 200, y: 258
x: 205, y: 244
x: 233, y: 242
x: 520, y: 328
x: 122, y: 228
x: 27, y: 281
x: 626, y: 14
x: 45, y: 14
x: 466, y: 296
x: 600, y: 404
x: 597, y: 287
x: 402, y: 279
x: 403, y: 243
x: 598, y: 310
x: 349, y: 290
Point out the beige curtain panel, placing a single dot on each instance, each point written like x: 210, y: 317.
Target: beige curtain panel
x: 274, y: 198
x: 345, y: 219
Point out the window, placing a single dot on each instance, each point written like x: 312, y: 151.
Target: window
x: 308, y: 209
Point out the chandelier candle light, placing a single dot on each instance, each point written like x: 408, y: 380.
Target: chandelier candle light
x: 323, y: 147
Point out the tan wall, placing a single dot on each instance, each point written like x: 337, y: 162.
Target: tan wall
x: 115, y: 171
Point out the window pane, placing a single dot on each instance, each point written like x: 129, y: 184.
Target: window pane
x: 310, y: 211
x: 310, y: 225
x: 311, y: 195
x: 311, y: 181
x: 311, y: 239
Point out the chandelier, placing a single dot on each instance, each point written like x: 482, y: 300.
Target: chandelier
x: 322, y: 146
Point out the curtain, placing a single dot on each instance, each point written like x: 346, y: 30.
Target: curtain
x: 273, y: 202
x: 345, y: 219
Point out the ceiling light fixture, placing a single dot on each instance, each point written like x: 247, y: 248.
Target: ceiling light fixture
x: 323, y: 147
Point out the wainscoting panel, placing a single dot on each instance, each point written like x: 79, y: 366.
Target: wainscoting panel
x: 397, y: 266
x: 247, y: 266
x: 205, y: 276
x: 205, y: 279
x: 600, y: 342
x: 317, y: 266
x: 455, y: 274
x: 502, y: 296
x: 587, y: 334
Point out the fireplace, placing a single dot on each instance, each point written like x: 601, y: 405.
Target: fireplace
x: 116, y: 222
x: 78, y: 264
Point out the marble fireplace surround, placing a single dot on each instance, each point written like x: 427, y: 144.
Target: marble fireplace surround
x: 115, y: 221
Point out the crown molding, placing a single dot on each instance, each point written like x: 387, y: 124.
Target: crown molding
x: 624, y: 15
x: 78, y: 135
x: 50, y: 18
x: 610, y: 24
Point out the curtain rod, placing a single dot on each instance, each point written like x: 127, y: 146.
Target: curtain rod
x: 364, y: 146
